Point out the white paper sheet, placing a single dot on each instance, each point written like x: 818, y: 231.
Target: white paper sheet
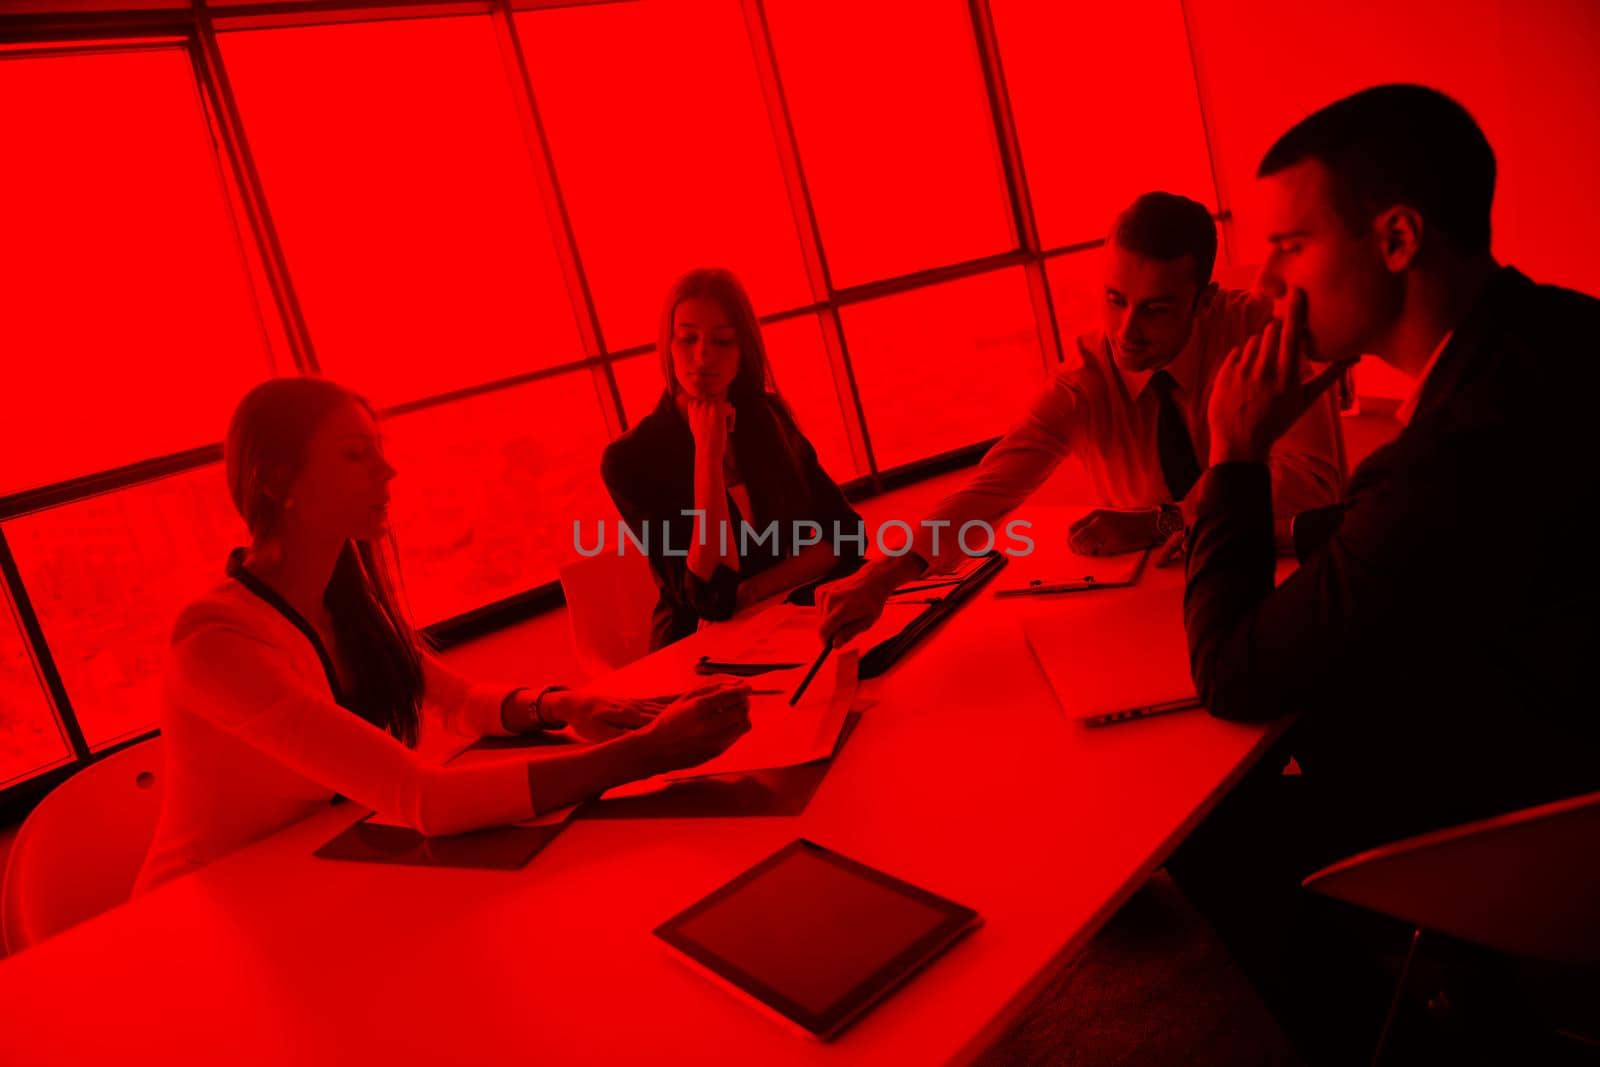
x: 1131, y: 656
x: 551, y: 819
x: 780, y: 735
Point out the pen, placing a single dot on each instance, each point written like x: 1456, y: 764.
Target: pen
x: 1143, y: 712
x: 707, y: 665
x: 1039, y: 586
x: 925, y: 586
x: 827, y: 646
x: 670, y: 697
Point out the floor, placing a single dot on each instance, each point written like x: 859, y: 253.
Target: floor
x: 1155, y: 987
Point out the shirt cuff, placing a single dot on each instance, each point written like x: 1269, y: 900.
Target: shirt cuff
x: 949, y: 552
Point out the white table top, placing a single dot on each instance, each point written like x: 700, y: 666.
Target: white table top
x: 965, y: 777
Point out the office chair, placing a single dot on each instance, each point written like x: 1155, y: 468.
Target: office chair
x: 1525, y: 884
x: 609, y: 602
x: 80, y: 850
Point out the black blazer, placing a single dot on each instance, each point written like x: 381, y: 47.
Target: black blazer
x: 649, y: 472
x: 1439, y: 641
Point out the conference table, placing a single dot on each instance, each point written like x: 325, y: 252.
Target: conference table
x: 965, y: 775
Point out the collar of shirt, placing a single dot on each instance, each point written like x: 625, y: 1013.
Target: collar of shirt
x: 1408, y: 409
x: 1181, y: 368
x: 1136, y: 381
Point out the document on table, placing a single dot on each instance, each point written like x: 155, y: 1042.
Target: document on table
x: 788, y: 634
x: 554, y: 818
x: 780, y: 735
x: 1119, y: 655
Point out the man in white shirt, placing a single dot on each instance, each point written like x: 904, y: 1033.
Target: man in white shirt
x: 1131, y: 407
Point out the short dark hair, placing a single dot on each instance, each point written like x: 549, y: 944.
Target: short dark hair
x: 1399, y: 144
x: 1167, y: 226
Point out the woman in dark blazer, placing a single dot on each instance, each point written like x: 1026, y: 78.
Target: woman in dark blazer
x: 723, y: 443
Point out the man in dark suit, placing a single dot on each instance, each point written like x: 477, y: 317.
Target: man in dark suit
x: 1431, y: 644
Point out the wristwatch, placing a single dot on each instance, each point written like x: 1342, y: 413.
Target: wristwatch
x: 1169, y: 520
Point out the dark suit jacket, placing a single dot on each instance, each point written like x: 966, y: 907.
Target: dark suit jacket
x: 649, y: 472
x: 1439, y: 642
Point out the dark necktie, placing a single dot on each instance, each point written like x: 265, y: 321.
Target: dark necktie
x: 1174, y: 446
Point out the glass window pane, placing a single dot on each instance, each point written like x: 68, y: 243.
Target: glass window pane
x: 407, y: 203
x: 30, y: 740
x: 1078, y: 295
x: 640, y: 383
x: 488, y: 490
x: 945, y: 366
x: 802, y: 374
x: 1106, y: 108
x: 665, y: 154
x: 107, y: 577
x: 896, y: 137
x: 122, y: 271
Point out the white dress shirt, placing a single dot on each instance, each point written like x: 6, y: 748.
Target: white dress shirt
x: 1106, y: 418
x: 254, y: 741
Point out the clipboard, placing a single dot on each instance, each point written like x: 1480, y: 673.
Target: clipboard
x: 1088, y: 583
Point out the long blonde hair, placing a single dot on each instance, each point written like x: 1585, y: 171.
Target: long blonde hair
x: 268, y: 443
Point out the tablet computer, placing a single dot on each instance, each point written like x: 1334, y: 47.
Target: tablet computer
x: 815, y: 937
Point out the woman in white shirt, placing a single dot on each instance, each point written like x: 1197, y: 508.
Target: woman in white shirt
x: 299, y: 677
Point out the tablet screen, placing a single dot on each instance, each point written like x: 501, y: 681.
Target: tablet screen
x: 814, y: 935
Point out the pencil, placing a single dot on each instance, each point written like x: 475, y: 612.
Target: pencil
x: 827, y: 647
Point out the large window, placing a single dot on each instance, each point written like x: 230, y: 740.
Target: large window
x: 895, y: 133
x: 29, y: 737
x: 401, y: 185
x: 946, y: 366
x: 1078, y: 295
x: 107, y: 577
x: 488, y: 488
x: 472, y: 216
x: 665, y: 152
x: 127, y: 322
x: 1106, y: 108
